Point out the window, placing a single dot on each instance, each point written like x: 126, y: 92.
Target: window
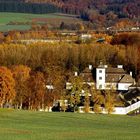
x: 100, y: 78
x: 100, y: 86
x: 100, y: 71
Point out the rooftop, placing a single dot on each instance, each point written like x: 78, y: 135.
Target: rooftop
x: 87, y: 75
x: 116, y: 75
x: 126, y: 79
x: 115, y: 70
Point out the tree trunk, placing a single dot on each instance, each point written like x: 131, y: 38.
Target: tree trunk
x: 2, y: 104
x: 29, y: 104
x: 20, y: 107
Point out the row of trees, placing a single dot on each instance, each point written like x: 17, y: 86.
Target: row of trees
x: 23, y: 88
x: 69, y: 56
x: 88, y: 96
x: 18, y: 6
x: 28, y: 68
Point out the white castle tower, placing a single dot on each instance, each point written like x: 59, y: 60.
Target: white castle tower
x: 100, y: 77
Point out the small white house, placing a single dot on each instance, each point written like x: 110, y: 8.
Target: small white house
x: 85, y: 36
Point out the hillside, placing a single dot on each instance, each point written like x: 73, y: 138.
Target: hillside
x: 23, y: 21
x: 101, y: 13
x: 123, y: 8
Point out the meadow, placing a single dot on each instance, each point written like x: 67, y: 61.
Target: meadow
x: 28, y: 125
x: 53, y: 19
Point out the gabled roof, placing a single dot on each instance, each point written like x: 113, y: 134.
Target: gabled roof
x: 115, y: 70
x: 117, y: 75
x: 113, y: 78
x: 87, y: 70
x: 87, y: 75
x: 126, y: 79
x: 119, y: 78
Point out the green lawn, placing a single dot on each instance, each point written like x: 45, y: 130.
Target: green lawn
x: 54, y: 18
x: 14, y: 27
x: 27, y: 125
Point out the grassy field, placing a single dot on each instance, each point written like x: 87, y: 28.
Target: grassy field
x: 24, y: 125
x: 51, y: 19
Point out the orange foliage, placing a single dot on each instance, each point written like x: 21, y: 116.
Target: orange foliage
x: 7, y: 84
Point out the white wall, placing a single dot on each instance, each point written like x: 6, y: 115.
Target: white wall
x: 68, y: 85
x: 112, y: 86
x: 119, y: 110
x: 124, y: 86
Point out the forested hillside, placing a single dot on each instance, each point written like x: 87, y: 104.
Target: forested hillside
x: 101, y: 12
x: 24, y: 7
x: 122, y: 8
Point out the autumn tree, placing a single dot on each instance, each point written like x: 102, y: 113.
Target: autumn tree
x: 55, y: 80
x: 98, y: 100
x: 1, y: 37
x: 109, y: 101
x: 37, y: 88
x: 64, y: 101
x: 7, y: 84
x: 80, y: 26
x: 21, y: 76
x: 7, y: 39
x: 126, y: 39
x: 124, y: 23
x: 132, y: 59
x: 86, y: 90
x: 75, y: 91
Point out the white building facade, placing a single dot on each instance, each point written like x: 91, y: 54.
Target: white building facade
x: 113, y: 78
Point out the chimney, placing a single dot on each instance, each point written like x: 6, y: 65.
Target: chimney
x: 101, y: 63
x: 90, y: 67
x: 131, y: 74
x: 120, y: 66
x: 76, y: 73
x: 105, y: 66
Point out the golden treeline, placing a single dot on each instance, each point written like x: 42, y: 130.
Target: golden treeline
x: 26, y: 69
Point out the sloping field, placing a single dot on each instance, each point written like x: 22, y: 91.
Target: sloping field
x: 26, y: 125
x: 21, y: 21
